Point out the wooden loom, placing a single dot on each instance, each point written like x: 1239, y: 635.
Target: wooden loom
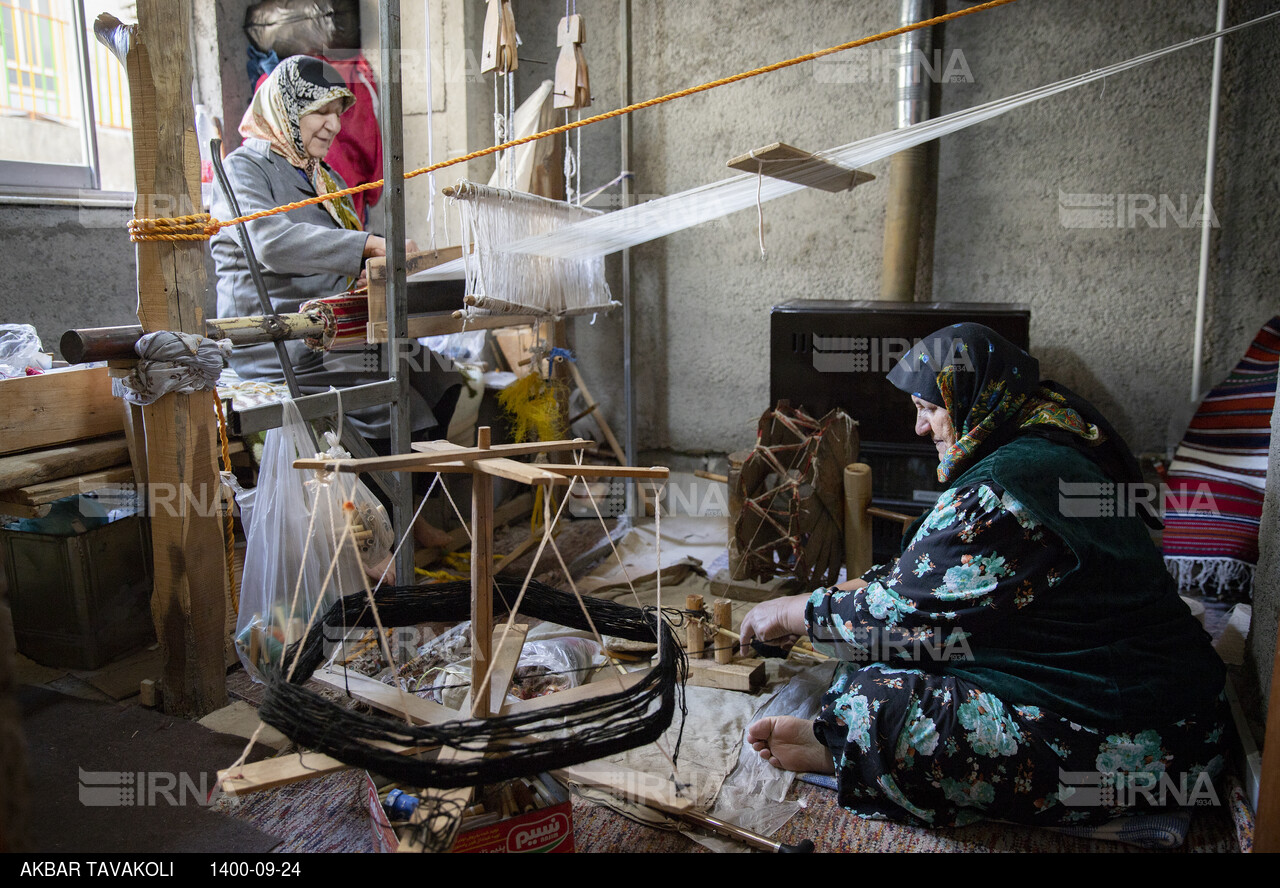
x: 491, y: 671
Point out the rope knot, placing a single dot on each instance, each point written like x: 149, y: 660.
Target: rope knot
x: 195, y: 227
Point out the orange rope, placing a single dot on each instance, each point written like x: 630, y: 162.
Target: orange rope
x: 202, y: 227
x: 231, y: 524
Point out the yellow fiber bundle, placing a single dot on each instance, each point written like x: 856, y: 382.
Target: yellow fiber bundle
x: 531, y: 404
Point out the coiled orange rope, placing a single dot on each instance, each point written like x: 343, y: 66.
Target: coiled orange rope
x: 201, y: 226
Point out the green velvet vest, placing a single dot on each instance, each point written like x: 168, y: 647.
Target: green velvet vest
x: 1111, y: 646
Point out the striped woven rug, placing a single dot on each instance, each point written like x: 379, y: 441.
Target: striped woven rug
x: 1213, y: 503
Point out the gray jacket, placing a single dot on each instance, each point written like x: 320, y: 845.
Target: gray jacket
x: 304, y: 254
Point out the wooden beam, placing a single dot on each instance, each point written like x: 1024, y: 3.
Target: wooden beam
x: 782, y: 161
x: 419, y: 461
x: 53, y: 408
x: 376, y: 327
x: 740, y: 675
x: 568, y: 471
x: 52, y: 491
x: 443, y: 325
x: 1266, y: 837
x: 38, y: 466
x: 625, y: 783
x: 188, y: 603
x: 481, y: 581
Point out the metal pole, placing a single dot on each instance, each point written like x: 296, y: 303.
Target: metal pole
x: 1211, y: 153
x: 628, y: 383
x: 397, y: 299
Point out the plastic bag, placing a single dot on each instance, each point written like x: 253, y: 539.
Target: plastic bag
x: 297, y: 524
x: 554, y: 664
x: 20, y: 348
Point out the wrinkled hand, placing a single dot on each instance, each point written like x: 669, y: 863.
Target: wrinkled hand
x: 778, y: 622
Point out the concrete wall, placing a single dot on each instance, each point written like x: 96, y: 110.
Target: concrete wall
x: 67, y: 267
x: 1112, y: 309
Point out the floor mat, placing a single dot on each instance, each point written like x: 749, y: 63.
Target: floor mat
x: 110, y: 778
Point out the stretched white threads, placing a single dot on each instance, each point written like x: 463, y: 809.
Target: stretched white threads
x: 499, y: 281
x: 431, y: 177
x: 666, y: 215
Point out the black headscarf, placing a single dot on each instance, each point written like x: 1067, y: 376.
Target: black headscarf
x: 993, y: 392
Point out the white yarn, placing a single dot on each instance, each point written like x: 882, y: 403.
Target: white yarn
x: 644, y: 222
x: 500, y: 281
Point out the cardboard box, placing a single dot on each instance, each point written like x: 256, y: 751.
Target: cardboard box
x: 546, y: 830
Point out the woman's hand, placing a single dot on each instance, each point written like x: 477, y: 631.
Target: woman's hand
x: 377, y: 246
x: 777, y: 622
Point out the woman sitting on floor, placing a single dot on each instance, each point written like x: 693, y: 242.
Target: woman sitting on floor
x: 1022, y: 660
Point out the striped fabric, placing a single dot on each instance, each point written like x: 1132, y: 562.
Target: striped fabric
x: 1213, y: 504
x: 346, y: 318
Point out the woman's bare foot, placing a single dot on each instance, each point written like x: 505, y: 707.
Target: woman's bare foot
x: 788, y: 743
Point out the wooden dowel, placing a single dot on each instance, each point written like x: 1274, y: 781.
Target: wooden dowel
x: 723, y: 620
x: 695, y: 639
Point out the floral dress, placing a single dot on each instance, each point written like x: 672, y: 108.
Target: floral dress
x: 913, y: 743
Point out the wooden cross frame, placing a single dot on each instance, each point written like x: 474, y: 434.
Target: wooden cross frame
x: 483, y: 462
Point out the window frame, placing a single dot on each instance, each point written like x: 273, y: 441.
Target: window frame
x: 36, y: 182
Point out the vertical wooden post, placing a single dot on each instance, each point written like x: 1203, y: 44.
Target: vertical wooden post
x: 481, y: 581
x: 695, y: 640
x: 724, y: 620
x: 188, y: 603
x: 1266, y: 837
x: 857, y: 523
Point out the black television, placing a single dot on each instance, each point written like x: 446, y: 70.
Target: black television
x: 831, y: 353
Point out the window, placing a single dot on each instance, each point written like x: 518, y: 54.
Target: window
x: 64, y: 101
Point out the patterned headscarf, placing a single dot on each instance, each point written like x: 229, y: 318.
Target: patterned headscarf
x: 992, y: 390
x: 298, y: 86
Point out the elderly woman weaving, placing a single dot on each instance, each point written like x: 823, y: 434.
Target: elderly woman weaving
x: 1018, y: 661
x: 310, y: 252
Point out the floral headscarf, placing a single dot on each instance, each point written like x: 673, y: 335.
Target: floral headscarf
x: 993, y: 392
x: 298, y: 86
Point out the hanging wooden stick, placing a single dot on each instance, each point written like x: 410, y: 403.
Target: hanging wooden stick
x: 573, y: 87
x: 498, y: 50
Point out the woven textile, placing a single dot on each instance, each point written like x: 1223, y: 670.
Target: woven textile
x: 1213, y: 503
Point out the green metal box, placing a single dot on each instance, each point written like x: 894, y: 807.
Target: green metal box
x: 80, y: 601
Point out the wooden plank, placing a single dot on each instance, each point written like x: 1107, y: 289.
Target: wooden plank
x: 376, y: 326
x: 481, y: 580
x: 782, y: 161
x: 57, y: 407
x: 38, y: 466
x: 525, y: 473
x: 589, y: 691
x: 426, y: 462
x: 569, y: 470
x: 51, y: 491
x: 273, y: 772
x: 1266, y: 837
x: 18, y: 510
x: 740, y: 675
x: 635, y: 786
x: 189, y: 599
x: 414, y: 263
x: 619, y: 453
x: 444, y: 324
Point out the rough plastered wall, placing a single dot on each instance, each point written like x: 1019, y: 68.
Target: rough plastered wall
x: 1113, y: 304
x: 69, y: 267
x: 1112, y: 307
x: 701, y: 298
